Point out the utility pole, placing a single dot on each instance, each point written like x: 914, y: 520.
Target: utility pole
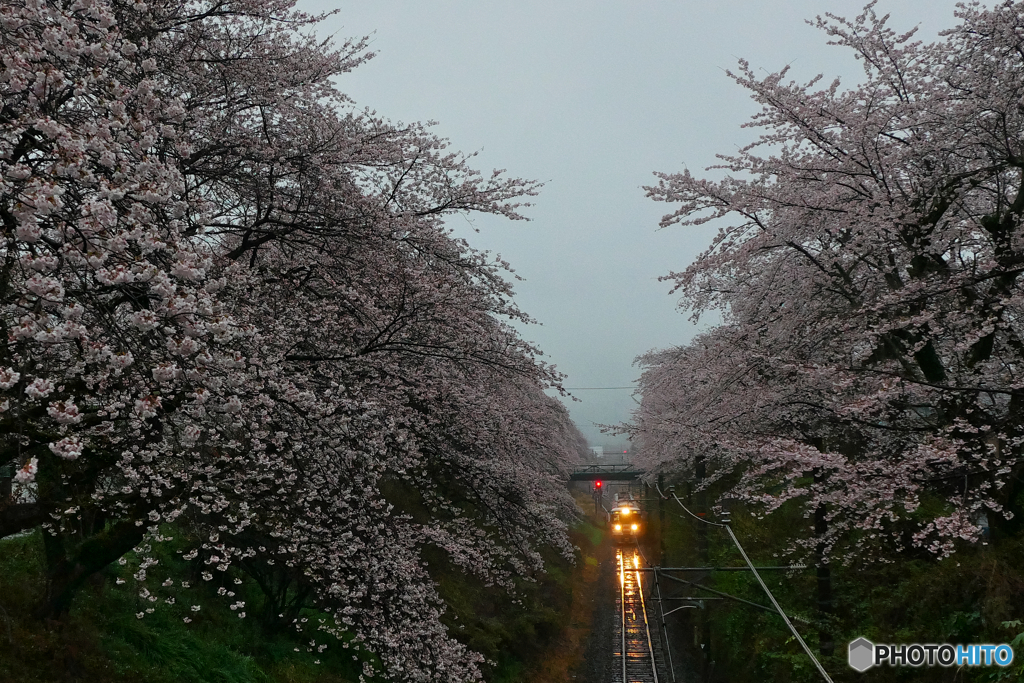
x: 727, y: 523
x: 661, y: 521
x: 6, y: 484
x: 826, y: 644
x: 700, y: 473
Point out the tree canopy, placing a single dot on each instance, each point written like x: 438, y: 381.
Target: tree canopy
x: 229, y: 302
x: 869, y: 364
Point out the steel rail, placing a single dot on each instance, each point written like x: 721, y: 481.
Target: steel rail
x: 636, y: 644
x: 664, y: 627
x: 622, y: 611
x: 647, y: 626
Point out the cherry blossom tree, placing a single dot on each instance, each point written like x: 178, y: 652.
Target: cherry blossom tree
x: 868, y: 274
x: 230, y: 304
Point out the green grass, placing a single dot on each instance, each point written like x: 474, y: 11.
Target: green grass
x: 515, y: 633
x: 975, y: 596
x: 102, y: 639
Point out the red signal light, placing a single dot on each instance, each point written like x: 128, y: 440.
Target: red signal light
x: 598, y: 483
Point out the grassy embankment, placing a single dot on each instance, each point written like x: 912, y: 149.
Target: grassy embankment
x: 535, y: 637
x: 539, y: 636
x: 975, y: 596
x: 103, y: 640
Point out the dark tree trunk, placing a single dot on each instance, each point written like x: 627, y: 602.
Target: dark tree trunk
x: 18, y: 517
x: 68, y: 571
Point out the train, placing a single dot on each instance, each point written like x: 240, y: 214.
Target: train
x: 625, y: 520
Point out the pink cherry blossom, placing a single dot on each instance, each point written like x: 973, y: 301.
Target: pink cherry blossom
x: 64, y: 412
x: 68, y: 448
x: 8, y: 378
x: 867, y: 273
x: 27, y: 473
x: 39, y: 388
x: 238, y: 291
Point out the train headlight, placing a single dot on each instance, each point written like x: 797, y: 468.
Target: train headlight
x: 625, y: 511
x: 635, y: 527
x: 618, y: 527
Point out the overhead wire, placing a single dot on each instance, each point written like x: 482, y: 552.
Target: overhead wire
x: 776, y: 603
x: 685, y: 509
x: 764, y: 586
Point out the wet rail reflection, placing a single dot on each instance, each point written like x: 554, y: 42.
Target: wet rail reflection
x: 635, y: 647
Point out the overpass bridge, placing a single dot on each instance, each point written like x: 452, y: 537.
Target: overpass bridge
x: 618, y: 472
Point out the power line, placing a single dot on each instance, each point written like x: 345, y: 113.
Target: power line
x: 757, y: 576
x: 775, y: 602
x: 595, y: 388
x: 699, y: 519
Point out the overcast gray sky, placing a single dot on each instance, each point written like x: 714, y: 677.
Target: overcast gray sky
x: 591, y: 98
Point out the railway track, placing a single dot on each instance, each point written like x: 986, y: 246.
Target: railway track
x: 633, y: 635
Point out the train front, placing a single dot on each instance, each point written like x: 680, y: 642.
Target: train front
x: 625, y: 521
